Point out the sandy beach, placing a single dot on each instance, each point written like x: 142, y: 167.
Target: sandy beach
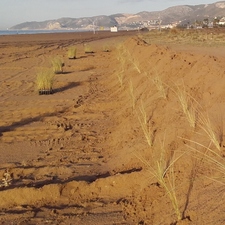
x: 133, y: 135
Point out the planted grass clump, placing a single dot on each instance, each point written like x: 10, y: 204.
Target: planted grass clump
x: 132, y: 95
x: 57, y: 65
x: 120, y: 76
x: 45, y: 80
x: 161, y: 168
x: 72, y: 52
x: 211, y: 157
x: 106, y: 48
x: 196, y: 117
x: 187, y: 105
x: 146, y: 125
x: 216, y: 138
x: 160, y: 86
x: 122, y: 59
x: 88, y: 48
x: 134, y: 61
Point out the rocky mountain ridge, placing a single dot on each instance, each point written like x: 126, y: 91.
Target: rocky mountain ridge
x: 176, y: 14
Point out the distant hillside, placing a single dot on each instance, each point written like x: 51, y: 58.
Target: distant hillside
x: 176, y: 14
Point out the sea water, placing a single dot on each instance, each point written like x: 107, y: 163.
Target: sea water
x: 14, y: 32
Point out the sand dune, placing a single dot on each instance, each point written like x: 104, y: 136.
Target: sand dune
x: 90, y: 152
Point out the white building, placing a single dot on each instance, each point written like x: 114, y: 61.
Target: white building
x: 222, y: 21
x: 114, y: 29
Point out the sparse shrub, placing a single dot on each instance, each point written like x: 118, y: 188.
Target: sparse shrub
x: 57, y: 65
x: 45, y: 80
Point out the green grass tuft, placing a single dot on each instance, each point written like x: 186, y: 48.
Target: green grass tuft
x: 44, y: 80
x: 72, y: 52
x: 57, y: 64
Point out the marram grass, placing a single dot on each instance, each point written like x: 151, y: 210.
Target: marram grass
x: 160, y: 86
x: 106, y: 48
x: 88, y: 48
x: 146, y: 125
x: 57, y: 65
x: 44, y: 80
x: 186, y: 102
x: 72, y: 52
x: 162, y: 169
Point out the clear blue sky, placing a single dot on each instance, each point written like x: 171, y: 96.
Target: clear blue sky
x: 13, y: 12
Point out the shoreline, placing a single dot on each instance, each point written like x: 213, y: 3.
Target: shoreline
x: 62, y: 36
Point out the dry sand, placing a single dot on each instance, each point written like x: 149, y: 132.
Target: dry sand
x: 80, y: 156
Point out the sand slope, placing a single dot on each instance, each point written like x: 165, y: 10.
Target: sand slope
x: 80, y: 156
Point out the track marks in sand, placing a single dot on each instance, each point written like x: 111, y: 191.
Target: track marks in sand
x: 67, y: 139
x: 19, y: 68
x: 67, y: 133
x: 34, y: 129
x: 69, y: 214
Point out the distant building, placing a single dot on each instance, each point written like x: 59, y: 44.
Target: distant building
x: 210, y: 25
x: 114, y: 29
x: 222, y: 21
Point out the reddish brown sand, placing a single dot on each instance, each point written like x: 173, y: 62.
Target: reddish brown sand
x: 80, y: 156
